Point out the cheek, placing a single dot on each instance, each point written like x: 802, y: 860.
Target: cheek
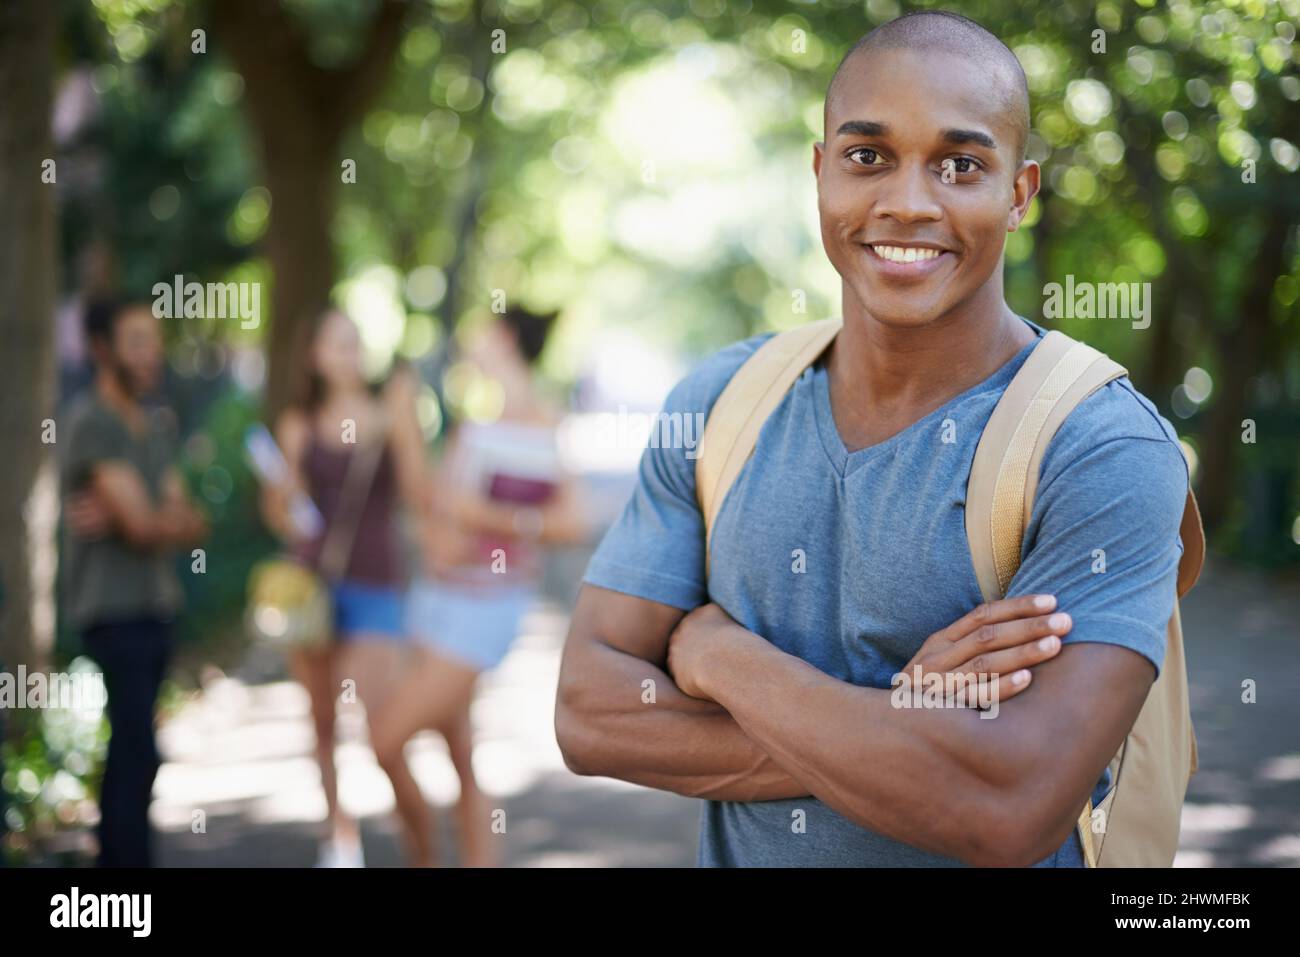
x: 980, y: 228
x: 835, y: 214
x: 835, y: 204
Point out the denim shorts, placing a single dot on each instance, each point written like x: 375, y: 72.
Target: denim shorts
x: 367, y: 610
x: 473, y: 626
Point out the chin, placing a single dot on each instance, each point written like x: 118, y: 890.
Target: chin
x: 902, y: 312
x: 144, y: 385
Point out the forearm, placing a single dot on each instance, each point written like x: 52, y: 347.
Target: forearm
x: 171, y: 526
x: 414, y: 486
x: 274, y: 502
x: 564, y: 522
x: 937, y: 779
x: 545, y: 525
x: 186, y: 525
x: 176, y: 525
x: 609, y: 722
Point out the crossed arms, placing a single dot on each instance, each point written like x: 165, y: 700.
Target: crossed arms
x: 744, y: 721
x: 116, y: 501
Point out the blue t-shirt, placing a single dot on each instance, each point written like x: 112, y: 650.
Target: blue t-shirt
x: 851, y: 560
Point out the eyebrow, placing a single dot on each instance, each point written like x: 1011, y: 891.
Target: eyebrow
x: 873, y: 128
x: 969, y: 136
x: 862, y: 128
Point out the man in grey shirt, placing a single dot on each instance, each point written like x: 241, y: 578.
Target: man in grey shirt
x: 126, y: 512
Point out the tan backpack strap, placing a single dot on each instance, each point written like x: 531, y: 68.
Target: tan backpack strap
x: 749, y: 398
x: 1193, y: 536
x: 1084, y: 827
x: 1058, y: 375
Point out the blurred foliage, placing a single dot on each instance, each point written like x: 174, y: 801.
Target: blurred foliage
x: 221, y: 481
x: 51, y: 771
x: 52, y: 761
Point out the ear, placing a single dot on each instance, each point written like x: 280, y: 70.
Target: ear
x: 818, y: 149
x: 1024, y: 189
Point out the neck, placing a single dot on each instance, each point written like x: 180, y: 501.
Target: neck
x: 344, y: 393
x: 114, y: 395
x: 888, y: 365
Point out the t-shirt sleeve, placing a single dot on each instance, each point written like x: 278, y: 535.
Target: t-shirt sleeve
x: 1103, y: 538
x: 655, y: 550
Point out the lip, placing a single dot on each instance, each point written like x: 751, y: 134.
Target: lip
x: 913, y: 270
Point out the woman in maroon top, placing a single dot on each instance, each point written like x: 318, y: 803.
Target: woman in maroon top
x: 336, y: 416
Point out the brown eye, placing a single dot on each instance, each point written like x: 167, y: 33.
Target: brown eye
x: 869, y: 156
x: 962, y: 165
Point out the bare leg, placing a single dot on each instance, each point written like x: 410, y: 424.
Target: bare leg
x: 478, y: 844
x: 432, y: 692
x: 313, y: 668
x: 373, y: 663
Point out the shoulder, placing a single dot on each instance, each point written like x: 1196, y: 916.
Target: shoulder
x: 1116, y: 441
x: 90, y: 421
x: 86, y: 411
x: 699, y: 390
x: 401, y: 387
x: 292, y: 428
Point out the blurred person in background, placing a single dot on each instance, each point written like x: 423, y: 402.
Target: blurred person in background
x: 499, y: 494
x: 337, y: 413
x: 126, y: 512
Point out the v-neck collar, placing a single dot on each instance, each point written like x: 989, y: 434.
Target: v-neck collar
x: 845, y: 462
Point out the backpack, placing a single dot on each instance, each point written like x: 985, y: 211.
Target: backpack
x: 1149, y: 773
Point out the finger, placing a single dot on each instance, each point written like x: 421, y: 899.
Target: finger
x: 1008, y: 634
x: 1007, y: 686
x: 995, y: 612
x: 981, y: 691
x: 1009, y: 660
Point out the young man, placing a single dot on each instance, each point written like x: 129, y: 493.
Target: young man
x: 126, y: 511
x: 778, y: 706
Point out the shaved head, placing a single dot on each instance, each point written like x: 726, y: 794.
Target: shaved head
x: 949, y: 34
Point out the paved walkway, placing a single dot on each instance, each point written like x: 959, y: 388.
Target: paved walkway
x: 240, y: 754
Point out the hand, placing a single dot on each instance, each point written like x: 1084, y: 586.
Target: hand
x: 690, y: 644
x: 87, y: 517
x: 466, y: 507
x: 194, y: 524
x: 1003, y: 638
x: 274, y: 500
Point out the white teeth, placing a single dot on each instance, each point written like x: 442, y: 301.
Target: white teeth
x: 905, y: 254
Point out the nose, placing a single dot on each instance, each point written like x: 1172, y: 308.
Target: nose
x: 908, y: 196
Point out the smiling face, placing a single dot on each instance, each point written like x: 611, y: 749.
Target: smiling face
x: 918, y: 182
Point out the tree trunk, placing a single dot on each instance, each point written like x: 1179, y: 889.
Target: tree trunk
x: 299, y: 112
x: 465, y: 222
x: 1242, y: 350
x: 299, y: 251
x: 28, y: 488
